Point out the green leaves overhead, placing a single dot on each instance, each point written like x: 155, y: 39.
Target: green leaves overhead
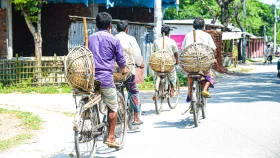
x: 30, y: 7
x: 258, y: 14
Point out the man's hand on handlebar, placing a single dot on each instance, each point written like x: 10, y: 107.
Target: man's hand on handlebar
x: 124, y: 70
x: 142, y: 66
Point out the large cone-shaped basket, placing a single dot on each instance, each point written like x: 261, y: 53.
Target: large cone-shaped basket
x: 162, y: 61
x: 80, y: 68
x: 197, y: 57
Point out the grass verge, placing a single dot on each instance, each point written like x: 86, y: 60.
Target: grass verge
x: 68, y: 114
x: 29, y: 121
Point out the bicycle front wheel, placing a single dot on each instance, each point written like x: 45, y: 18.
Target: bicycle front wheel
x: 84, y: 138
x: 121, y: 126
x: 172, y: 102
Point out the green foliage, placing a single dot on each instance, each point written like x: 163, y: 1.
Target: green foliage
x: 183, y: 79
x: 258, y: 14
x: 146, y: 85
x: 30, y: 7
x: 26, y: 88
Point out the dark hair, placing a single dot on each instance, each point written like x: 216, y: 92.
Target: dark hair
x: 122, y: 25
x: 165, y: 29
x: 103, y: 20
x: 198, y: 23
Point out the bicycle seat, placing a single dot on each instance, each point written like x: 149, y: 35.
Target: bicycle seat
x: 195, y: 75
x: 119, y: 84
x: 161, y: 74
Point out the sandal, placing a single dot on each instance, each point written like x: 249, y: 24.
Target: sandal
x: 114, y: 144
x: 137, y: 123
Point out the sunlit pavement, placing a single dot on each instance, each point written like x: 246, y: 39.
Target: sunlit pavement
x: 243, y: 120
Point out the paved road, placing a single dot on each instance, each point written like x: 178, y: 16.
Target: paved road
x: 243, y: 121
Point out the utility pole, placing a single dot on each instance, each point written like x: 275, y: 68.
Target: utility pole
x: 157, y: 18
x: 244, y: 34
x: 275, y: 27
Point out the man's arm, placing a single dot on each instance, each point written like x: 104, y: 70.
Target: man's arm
x: 120, y: 59
x: 137, y: 53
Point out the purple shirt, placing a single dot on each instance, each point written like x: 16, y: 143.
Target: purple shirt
x: 105, y: 49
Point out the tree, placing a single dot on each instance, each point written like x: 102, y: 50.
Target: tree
x: 31, y: 10
x: 228, y: 10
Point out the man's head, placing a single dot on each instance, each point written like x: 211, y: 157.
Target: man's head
x: 268, y: 45
x: 165, y: 29
x: 104, y: 21
x: 198, y: 23
x: 122, y: 26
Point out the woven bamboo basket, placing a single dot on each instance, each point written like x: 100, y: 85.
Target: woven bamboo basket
x: 197, y: 57
x: 118, y: 76
x: 80, y: 68
x: 162, y: 61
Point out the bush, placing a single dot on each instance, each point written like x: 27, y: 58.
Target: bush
x: 183, y: 79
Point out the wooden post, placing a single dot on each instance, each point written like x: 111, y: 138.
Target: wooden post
x: 55, y: 69
x: 85, y: 31
x: 17, y: 70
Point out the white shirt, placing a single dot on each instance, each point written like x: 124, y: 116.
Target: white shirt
x: 128, y: 41
x: 201, y: 37
x: 169, y: 45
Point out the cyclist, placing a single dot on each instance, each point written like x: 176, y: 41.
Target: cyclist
x: 171, y: 48
x: 133, y: 53
x: 106, y: 48
x: 205, y: 38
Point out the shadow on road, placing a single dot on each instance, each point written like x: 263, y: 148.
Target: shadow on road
x: 182, y: 124
x: 257, y: 87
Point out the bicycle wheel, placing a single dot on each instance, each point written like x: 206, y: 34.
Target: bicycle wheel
x: 159, y: 97
x: 121, y: 126
x: 172, y: 102
x: 195, y: 97
x: 85, y: 140
x: 130, y: 115
x: 203, y: 108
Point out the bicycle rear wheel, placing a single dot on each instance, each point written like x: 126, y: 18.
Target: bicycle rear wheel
x: 84, y: 138
x: 159, y: 97
x: 196, y: 98
x: 121, y: 126
x: 172, y: 102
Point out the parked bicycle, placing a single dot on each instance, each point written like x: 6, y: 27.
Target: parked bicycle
x: 198, y: 101
x: 163, y: 90
x: 88, y: 124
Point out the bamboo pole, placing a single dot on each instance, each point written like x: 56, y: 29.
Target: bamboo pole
x: 85, y: 31
x: 17, y: 70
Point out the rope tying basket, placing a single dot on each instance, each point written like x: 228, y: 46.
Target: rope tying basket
x: 80, y: 68
x: 162, y: 61
x: 197, y: 57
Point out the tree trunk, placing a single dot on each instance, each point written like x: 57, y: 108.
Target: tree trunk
x: 37, y: 41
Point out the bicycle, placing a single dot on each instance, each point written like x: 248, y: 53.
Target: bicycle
x: 163, y: 90
x: 198, y: 101
x: 88, y: 125
x: 130, y: 110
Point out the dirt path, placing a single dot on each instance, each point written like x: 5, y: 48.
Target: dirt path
x: 54, y: 136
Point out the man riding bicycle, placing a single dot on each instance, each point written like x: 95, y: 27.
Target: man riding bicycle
x: 106, y: 48
x: 171, y: 48
x: 134, y: 58
x: 205, y: 38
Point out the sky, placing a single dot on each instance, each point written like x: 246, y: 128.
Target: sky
x: 268, y: 1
